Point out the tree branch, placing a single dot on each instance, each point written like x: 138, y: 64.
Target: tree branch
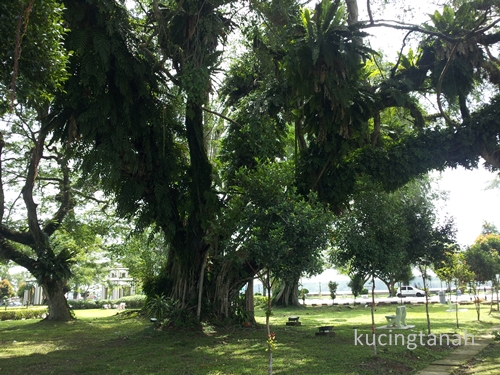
x: 2, y: 194
x: 368, y: 8
x: 440, y: 84
x: 65, y: 198
x: 7, y: 251
x: 89, y: 197
x: 221, y: 116
x: 24, y: 238
x: 27, y: 192
x: 52, y: 179
x: 404, y: 26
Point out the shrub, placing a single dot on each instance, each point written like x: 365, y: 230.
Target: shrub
x: 157, y: 307
x: 168, y: 313
x: 84, y: 304
x: 18, y: 314
x: 132, y: 302
x: 260, y: 302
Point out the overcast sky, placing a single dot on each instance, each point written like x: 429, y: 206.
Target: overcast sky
x: 469, y: 202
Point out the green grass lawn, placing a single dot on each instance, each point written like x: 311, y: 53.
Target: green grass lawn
x: 104, y: 342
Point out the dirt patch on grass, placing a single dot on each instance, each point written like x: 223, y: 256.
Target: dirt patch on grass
x: 384, y: 366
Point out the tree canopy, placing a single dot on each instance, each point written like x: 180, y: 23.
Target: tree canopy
x: 136, y: 97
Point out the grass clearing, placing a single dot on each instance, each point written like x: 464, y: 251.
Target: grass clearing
x: 102, y: 341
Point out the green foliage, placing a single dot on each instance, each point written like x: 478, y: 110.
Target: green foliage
x: 4, y: 270
x: 260, y: 302
x: 241, y: 314
x: 333, y: 289
x: 41, y: 69
x: 157, y: 307
x: 19, y: 314
x: 144, y: 254
x: 483, y: 257
x: 383, y: 233
x: 372, y: 237
x: 86, y: 304
x: 168, y: 312
x: 23, y: 287
x: 356, y: 283
x: 489, y: 228
x: 6, y: 289
x: 271, y: 342
x: 131, y: 302
x: 277, y: 229
x: 303, y: 293
x: 54, y: 267
x: 454, y: 268
x: 125, y: 133
x: 132, y: 111
x: 464, y: 57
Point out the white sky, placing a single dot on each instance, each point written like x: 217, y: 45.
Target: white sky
x: 469, y: 203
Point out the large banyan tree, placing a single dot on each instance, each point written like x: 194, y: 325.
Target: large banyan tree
x: 146, y: 111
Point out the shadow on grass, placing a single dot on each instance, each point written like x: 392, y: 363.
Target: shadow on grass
x: 118, y: 345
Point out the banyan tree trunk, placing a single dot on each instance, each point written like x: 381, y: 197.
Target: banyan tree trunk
x: 56, y: 300
x: 288, y: 294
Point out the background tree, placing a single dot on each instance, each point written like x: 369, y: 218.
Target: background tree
x: 33, y: 71
x: 453, y: 268
x: 278, y: 230
x: 371, y: 238
x: 38, y: 227
x: 24, y: 286
x: 385, y: 232
x: 489, y: 228
x: 85, y: 233
x: 36, y: 253
x: 143, y: 253
x: 4, y: 270
x: 484, y: 262
x: 357, y: 284
x: 489, y: 243
x: 332, y: 285
x: 428, y: 239
x: 446, y: 269
x: 6, y: 289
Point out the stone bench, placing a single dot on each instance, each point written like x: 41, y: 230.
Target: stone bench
x: 398, y: 320
x: 325, y: 331
x: 293, y: 321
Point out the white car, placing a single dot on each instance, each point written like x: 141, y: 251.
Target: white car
x: 410, y: 291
